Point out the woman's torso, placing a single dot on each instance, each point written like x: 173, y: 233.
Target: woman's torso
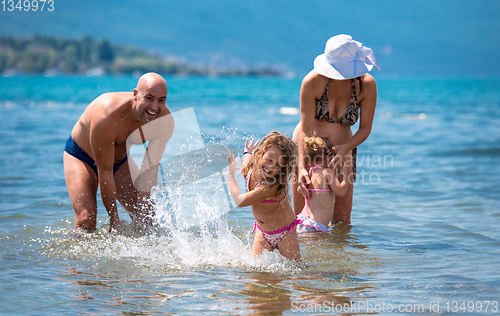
x: 328, y: 109
x: 337, y: 108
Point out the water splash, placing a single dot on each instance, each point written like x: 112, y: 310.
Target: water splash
x: 176, y: 244
x: 191, y: 233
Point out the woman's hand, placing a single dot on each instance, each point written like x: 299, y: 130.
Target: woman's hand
x: 339, y: 159
x: 303, y: 179
x: 341, y: 170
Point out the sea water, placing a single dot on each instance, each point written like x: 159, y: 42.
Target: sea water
x: 424, y: 238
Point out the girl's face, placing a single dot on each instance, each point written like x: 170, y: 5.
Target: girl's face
x: 271, y: 162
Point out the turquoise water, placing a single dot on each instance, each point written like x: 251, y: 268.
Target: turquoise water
x: 425, y: 234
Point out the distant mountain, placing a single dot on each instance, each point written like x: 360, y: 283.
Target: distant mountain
x: 454, y: 37
x: 52, y: 56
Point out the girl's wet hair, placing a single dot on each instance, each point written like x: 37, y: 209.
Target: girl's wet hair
x: 317, y: 150
x: 288, y: 151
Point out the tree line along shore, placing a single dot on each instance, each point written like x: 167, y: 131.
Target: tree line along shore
x: 55, y: 56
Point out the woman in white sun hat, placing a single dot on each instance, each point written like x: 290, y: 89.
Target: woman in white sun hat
x: 332, y: 97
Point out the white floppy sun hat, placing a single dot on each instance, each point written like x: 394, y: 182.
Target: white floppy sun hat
x: 344, y: 58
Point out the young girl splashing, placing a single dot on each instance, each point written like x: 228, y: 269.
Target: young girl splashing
x: 267, y: 168
x: 318, y: 209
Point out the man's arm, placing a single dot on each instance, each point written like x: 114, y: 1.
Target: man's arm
x: 157, y: 133
x: 102, y: 137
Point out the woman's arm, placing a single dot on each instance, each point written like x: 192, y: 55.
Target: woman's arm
x: 311, y: 86
x: 367, y: 112
x: 338, y: 187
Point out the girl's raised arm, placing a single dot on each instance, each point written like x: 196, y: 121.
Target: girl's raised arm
x: 249, y: 198
x: 247, y: 154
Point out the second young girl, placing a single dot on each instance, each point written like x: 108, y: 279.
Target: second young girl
x: 325, y: 185
x: 267, y: 168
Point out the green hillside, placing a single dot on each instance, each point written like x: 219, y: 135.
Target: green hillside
x: 51, y: 55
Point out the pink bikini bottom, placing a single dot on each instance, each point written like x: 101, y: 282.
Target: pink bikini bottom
x: 276, y: 236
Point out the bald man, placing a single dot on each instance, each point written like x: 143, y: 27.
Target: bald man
x: 96, y: 152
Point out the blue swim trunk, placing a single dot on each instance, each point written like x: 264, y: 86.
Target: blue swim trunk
x: 74, y: 150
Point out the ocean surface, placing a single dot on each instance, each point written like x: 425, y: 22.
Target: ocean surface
x: 425, y: 233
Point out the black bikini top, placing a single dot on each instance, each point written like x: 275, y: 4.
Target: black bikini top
x: 351, y: 114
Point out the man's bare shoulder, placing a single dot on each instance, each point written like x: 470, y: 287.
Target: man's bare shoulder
x: 113, y: 99
x: 107, y: 105
x: 165, y: 112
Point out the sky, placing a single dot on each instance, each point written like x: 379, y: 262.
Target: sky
x: 410, y: 37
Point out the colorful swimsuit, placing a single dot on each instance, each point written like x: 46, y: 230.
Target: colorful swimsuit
x: 248, y: 189
x: 350, y: 116
x: 274, y: 237
x: 308, y: 224
x: 74, y: 150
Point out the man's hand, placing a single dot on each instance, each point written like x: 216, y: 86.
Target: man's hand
x: 114, y: 225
